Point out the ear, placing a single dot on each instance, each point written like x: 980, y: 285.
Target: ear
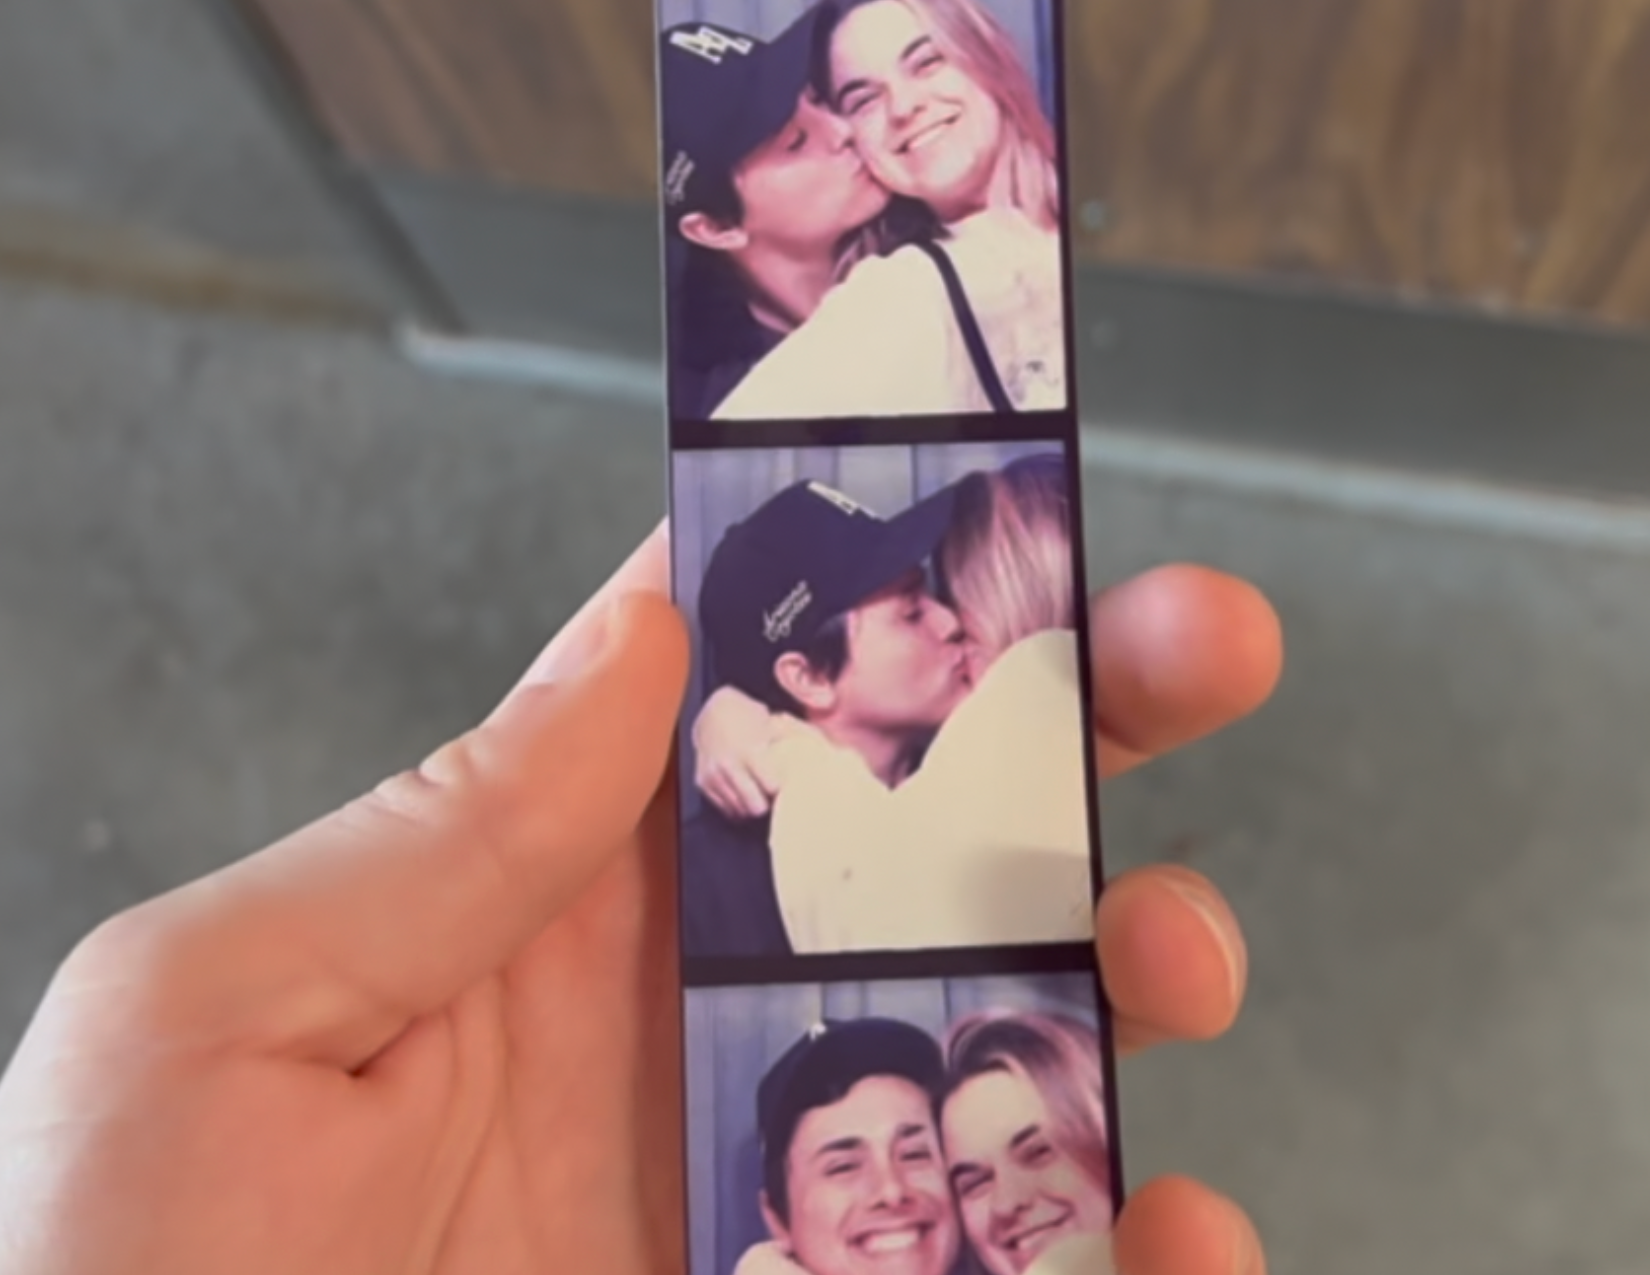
x: 780, y: 1232
x: 707, y: 232
x: 803, y: 683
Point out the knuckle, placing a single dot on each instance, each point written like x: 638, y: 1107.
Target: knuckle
x: 427, y: 795
x: 463, y: 793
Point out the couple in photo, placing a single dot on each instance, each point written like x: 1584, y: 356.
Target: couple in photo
x: 892, y: 751
x: 865, y: 217
x: 886, y: 1151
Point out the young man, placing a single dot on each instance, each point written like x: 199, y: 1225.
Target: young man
x: 854, y: 1181
x: 819, y: 609
x: 762, y: 189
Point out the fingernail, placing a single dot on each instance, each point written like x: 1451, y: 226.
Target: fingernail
x: 1221, y: 925
x: 1248, y: 1258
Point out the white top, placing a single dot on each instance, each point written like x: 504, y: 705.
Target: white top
x: 987, y: 844
x: 1076, y: 1255
x: 767, y: 1258
x: 885, y: 342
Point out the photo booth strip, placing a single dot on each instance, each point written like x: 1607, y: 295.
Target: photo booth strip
x: 935, y: 333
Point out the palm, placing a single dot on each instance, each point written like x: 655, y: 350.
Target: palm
x: 534, y: 1118
x: 569, y: 1144
x: 590, y: 1130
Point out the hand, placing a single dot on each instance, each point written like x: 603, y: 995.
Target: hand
x: 767, y: 1258
x: 438, y: 1031
x: 736, y: 767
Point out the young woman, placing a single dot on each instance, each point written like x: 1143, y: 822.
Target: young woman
x: 989, y: 841
x: 1006, y: 563
x: 968, y: 314
x: 1024, y: 1129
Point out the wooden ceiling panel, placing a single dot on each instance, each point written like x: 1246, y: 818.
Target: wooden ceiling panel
x: 1488, y: 153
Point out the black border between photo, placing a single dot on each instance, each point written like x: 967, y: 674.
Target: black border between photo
x: 701, y: 973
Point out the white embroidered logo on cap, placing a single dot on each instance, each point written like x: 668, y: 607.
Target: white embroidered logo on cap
x: 817, y: 1030
x: 677, y: 177
x: 778, y: 624
x: 711, y: 44
x: 847, y: 504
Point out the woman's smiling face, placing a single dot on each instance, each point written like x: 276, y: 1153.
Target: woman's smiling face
x: 927, y: 130
x: 1019, y: 1193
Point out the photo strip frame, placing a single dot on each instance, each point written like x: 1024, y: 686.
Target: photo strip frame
x: 898, y: 1053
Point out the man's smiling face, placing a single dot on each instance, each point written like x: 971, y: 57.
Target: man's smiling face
x: 868, y: 1188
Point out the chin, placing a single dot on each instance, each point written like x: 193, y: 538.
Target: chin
x: 954, y: 180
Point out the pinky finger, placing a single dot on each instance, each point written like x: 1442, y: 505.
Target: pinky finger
x: 721, y: 793
x: 1175, y: 1226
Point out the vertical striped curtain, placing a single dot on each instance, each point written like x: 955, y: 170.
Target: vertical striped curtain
x: 735, y: 1034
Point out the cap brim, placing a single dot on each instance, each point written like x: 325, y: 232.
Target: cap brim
x: 908, y: 540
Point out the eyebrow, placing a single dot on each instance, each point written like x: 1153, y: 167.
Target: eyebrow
x: 905, y: 56
x: 1024, y: 1136
x: 962, y: 1168
x: 854, y: 1143
x: 838, y: 1146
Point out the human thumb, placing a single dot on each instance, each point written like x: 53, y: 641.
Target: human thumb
x: 326, y: 945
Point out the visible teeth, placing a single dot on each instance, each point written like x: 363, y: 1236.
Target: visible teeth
x: 928, y: 135
x: 892, y: 1241
x: 1026, y: 1237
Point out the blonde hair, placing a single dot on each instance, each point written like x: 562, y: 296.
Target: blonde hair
x: 971, y: 38
x: 1060, y: 1058
x: 1006, y: 561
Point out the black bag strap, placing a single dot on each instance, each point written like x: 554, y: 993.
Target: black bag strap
x: 978, y: 352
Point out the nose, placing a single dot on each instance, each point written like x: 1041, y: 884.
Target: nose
x: 943, y: 621
x: 904, y: 97
x: 839, y: 135
x: 1013, y: 1194
x: 888, y: 1189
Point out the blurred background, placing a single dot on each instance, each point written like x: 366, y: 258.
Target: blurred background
x: 328, y: 387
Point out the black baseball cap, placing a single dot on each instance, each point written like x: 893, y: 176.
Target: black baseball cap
x: 828, y: 1061
x: 722, y: 95
x: 808, y: 555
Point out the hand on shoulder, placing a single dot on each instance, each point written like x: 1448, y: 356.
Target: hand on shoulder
x: 1078, y: 1255
x: 767, y: 1259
